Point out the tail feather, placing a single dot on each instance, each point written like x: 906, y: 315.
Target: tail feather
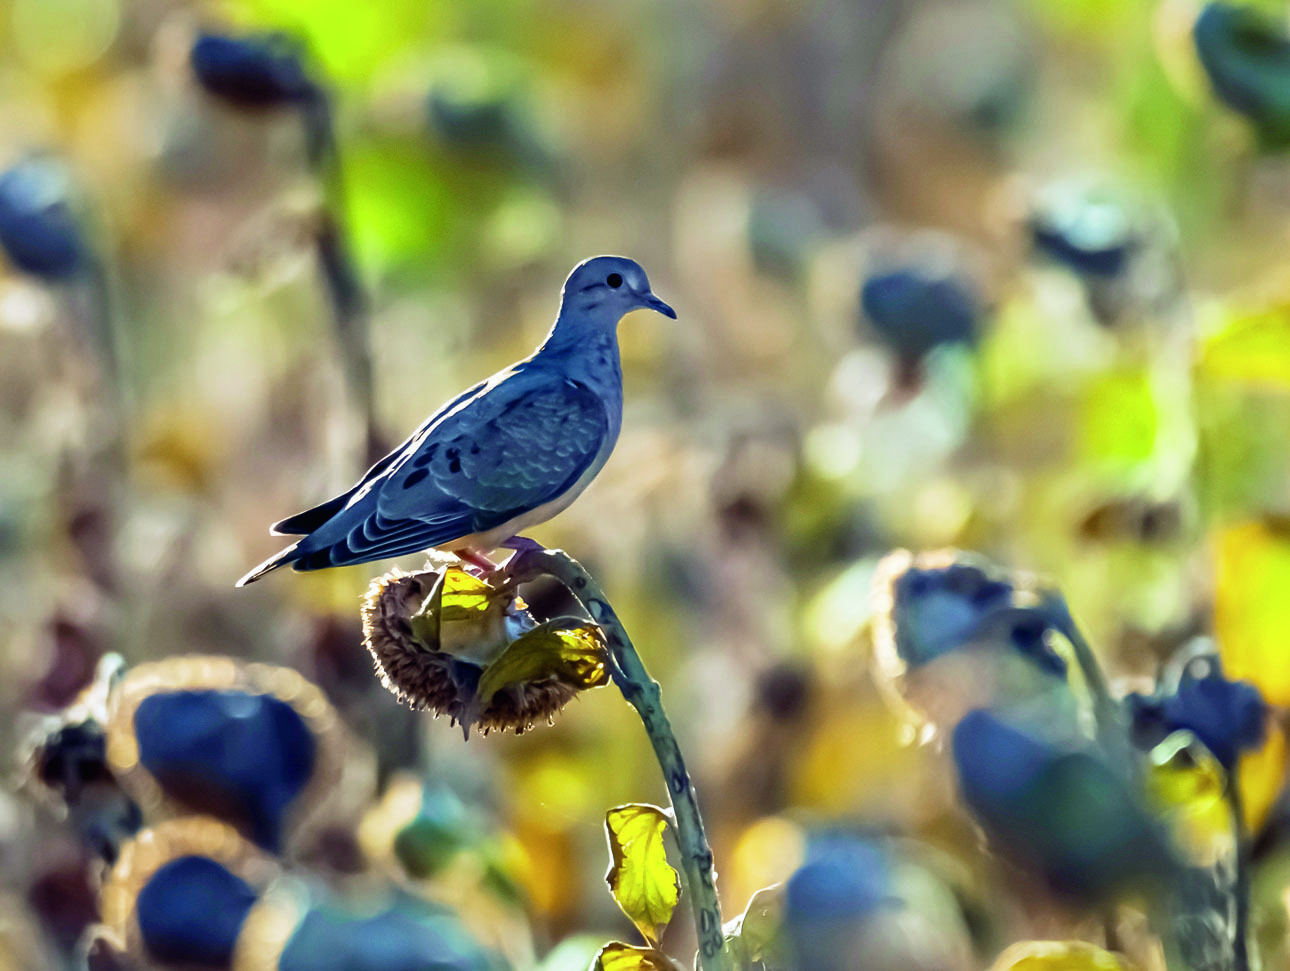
x: 281, y: 558
x: 310, y: 519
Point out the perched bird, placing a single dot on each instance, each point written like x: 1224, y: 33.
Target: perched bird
x: 511, y: 452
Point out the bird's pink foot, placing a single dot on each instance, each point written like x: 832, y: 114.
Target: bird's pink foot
x: 475, y: 559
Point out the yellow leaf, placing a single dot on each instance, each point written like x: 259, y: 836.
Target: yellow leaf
x: 466, y: 617
x: 1251, y: 611
x: 463, y: 597
x: 624, y: 957
x: 1058, y: 956
x: 1253, y: 348
x: 572, y: 655
x: 1187, y: 785
x: 1262, y: 776
x: 642, y: 882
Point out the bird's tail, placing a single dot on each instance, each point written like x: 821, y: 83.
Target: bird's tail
x: 281, y: 558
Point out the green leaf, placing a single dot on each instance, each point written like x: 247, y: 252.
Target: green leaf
x: 624, y: 957
x: 639, y: 877
x: 572, y: 655
x: 753, y: 936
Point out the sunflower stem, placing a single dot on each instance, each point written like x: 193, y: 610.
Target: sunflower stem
x: 345, y: 291
x: 642, y: 693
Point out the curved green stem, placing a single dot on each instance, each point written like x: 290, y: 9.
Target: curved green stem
x: 642, y: 693
x: 1111, y: 730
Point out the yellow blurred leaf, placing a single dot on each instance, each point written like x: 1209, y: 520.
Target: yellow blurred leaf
x: 624, y: 957
x: 1252, y: 349
x: 574, y: 655
x: 642, y: 882
x: 1058, y: 956
x: 1262, y: 775
x: 1251, y: 611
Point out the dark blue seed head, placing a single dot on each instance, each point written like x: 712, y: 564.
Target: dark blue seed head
x: 190, y: 912
x: 914, y: 310
x: 938, y: 610
x: 38, y: 230
x: 1060, y: 811
x: 242, y: 757
x: 470, y: 122
x: 1087, y: 233
x: 253, y: 71
x: 842, y: 877
x: 1246, y: 55
x: 1229, y: 717
x: 409, y: 936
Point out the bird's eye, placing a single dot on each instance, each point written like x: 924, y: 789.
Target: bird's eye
x: 615, y: 280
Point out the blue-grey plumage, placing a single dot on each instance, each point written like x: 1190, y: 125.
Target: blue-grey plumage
x: 507, y: 454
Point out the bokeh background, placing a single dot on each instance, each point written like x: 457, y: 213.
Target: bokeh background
x: 1093, y: 238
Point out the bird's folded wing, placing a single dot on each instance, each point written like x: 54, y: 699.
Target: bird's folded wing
x: 311, y: 519
x: 504, y: 454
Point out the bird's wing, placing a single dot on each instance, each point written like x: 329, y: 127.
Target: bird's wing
x: 315, y: 516
x: 520, y: 445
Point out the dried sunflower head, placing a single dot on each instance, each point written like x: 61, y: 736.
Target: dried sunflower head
x: 952, y: 632
x: 466, y: 646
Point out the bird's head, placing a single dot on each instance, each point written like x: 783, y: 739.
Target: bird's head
x: 605, y: 288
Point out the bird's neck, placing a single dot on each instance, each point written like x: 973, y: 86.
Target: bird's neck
x: 590, y: 350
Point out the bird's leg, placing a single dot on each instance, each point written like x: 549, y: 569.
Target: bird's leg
x: 522, y: 544
x: 475, y: 559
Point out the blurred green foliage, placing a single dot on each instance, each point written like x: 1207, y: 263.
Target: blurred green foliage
x: 1125, y: 434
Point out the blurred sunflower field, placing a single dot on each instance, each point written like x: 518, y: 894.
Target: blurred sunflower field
x: 951, y: 517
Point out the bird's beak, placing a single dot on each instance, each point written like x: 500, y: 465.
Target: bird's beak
x: 654, y: 303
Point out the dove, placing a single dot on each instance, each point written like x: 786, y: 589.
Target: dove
x: 505, y: 455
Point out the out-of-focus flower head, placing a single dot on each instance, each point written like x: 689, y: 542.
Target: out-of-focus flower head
x: 855, y: 900
x: 192, y: 893
x: 842, y: 876
x: 404, y: 935
x: 915, y: 309
x: 1136, y: 519
x: 1246, y: 54
x: 1059, y: 809
x: 66, y: 768
x: 256, y: 746
x: 1082, y: 227
x: 1228, y: 717
x: 952, y: 632
x: 983, y: 86
x: 466, y: 646
x: 918, y: 295
x: 479, y: 106
x: 253, y: 71
x: 39, y: 231
x: 1059, y: 956
x: 426, y: 829
x: 181, y: 893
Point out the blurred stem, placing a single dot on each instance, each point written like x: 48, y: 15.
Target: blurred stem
x: 642, y: 693
x: 348, y: 299
x: 1241, y: 879
x: 1110, y: 728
